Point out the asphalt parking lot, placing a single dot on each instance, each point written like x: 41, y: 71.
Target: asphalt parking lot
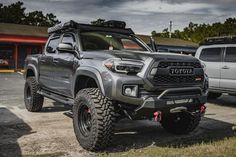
x: 50, y: 132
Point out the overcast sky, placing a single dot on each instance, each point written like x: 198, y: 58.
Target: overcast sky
x: 143, y: 16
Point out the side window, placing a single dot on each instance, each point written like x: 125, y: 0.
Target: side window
x: 230, y: 55
x: 52, y: 45
x: 211, y: 54
x: 68, y: 38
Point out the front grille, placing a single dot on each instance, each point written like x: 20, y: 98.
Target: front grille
x: 167, y: 64
x: 167, y: 79
x: 163, y: 77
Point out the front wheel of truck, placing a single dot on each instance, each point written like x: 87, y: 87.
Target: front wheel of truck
x: 93, y: 117
x: 33, y: 100
x: 180, y: 123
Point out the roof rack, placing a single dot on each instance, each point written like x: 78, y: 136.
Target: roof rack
x: 109, y: 26
x: 219, y: 40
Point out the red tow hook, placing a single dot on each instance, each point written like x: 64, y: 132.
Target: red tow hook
x: 203, y: 109
x: 157, y: 116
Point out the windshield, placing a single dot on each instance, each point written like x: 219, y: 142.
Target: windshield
x: 92, y: 41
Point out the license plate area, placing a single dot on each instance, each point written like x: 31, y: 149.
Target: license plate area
x: 179, y: 101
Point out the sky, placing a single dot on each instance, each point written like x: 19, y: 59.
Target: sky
x: 143, y: 16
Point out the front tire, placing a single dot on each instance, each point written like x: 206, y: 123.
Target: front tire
x: 180, y: 123
x: 93, y: 117
x: 33, y: 100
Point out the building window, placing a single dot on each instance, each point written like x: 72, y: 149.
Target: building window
x: 36, y: 50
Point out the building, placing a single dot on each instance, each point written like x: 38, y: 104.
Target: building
x: 18, y: 41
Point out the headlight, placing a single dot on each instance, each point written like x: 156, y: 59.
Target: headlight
x: 123, y: 66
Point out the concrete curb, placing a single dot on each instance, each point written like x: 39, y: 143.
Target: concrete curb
x: 11, y: 71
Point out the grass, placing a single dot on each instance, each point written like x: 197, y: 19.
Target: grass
x: 222, y: 148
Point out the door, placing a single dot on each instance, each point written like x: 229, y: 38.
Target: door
x: 228, y: 70
x: 64, y: 67
x: 46, y: 69
x: 212, y: 57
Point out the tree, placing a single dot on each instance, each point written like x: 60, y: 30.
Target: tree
x: 154, y: 33
x: 15, y: 13
x: 198, y: 32
x: 165, y: 33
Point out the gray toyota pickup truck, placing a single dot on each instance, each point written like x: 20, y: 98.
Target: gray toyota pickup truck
x: 106, y: 73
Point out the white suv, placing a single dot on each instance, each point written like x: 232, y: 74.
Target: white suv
x: 220, y: 65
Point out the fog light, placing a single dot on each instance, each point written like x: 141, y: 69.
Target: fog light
x: 130, y: 90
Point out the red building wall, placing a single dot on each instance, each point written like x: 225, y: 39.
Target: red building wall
x: 16, y: 41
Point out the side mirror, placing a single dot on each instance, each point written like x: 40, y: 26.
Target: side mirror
x: 67, y: 47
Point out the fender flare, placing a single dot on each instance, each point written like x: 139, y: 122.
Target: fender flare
x: 90, y: 72
x: 34, y: 69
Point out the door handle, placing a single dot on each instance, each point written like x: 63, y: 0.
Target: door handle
x: 225, y: 67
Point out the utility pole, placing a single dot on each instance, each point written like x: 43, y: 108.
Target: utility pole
x: 170, y: 29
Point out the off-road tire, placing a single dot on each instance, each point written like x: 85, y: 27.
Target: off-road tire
x: 180, y: 123
x: 213, y: 96
x: 102, y: 118
x: 33, y: 100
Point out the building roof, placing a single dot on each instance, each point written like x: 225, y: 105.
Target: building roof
x: 16, y: 29
x: 168, y: 41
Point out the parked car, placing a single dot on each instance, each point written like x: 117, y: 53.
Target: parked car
x: 218, y: 55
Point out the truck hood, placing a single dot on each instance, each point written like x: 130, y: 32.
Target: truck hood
x: 137, y: 55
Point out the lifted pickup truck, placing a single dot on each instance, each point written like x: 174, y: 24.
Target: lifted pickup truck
x: 106, y: 74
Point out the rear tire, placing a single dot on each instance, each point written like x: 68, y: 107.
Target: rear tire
x: 212, y: 95
x: 180, y: 123
x: 93, y: 117
x: 33, y: 100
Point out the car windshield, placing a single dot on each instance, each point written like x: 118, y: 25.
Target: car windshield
x: 94, y: 41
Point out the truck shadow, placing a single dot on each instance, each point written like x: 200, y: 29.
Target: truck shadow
x: 140, y: 134
x: 225, y: 100
x: 11, y: 129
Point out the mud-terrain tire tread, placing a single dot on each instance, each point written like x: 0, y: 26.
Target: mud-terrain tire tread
x: 103, y: 117
x: 192, y: 121
x: 36, y: 103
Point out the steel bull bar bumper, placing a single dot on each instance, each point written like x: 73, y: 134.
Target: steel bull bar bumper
x: 168, y: 102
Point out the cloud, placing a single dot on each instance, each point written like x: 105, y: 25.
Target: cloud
x: 143, y: 16
x: 159, y: 6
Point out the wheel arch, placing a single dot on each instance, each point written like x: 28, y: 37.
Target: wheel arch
x: 31, y: 71
x: 85, y: 75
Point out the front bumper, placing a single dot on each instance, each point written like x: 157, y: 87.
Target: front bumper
x: 160, y: 103
x: 151, y: 101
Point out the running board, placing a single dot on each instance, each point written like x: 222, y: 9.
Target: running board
x: 56, y: 97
